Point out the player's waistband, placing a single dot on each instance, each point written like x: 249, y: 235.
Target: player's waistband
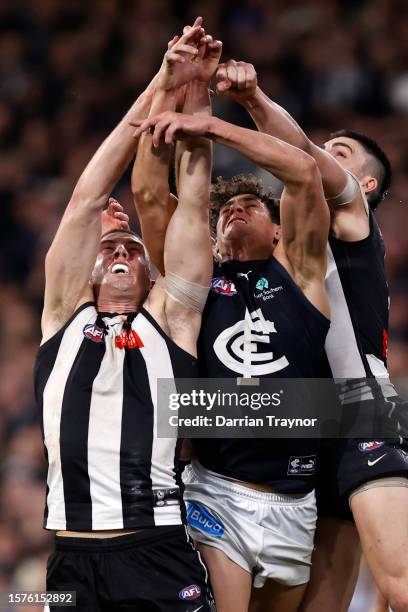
x: 131, y: 540
x: 208, y: 478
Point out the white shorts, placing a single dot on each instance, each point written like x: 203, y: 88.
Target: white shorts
x: 269, y: 535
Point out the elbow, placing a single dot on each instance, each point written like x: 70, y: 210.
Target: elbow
x: 308, y: 174
x: 83, y: 202
x: 146, y: 198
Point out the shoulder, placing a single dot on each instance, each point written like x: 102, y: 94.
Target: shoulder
x: 53, y: 327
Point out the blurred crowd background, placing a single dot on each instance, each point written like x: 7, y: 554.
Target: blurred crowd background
x: 68, y: 72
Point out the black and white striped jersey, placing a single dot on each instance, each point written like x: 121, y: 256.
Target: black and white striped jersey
x: 107, y: 469
x: 356, y: 345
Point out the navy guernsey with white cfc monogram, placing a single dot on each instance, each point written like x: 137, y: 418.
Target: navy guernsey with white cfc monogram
x: 258, y: 323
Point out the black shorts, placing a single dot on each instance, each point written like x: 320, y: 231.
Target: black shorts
x: 345, y: 465
x: 154, y: 570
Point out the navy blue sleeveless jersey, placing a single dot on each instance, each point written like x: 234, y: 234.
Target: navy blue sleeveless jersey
x: 258, y: 323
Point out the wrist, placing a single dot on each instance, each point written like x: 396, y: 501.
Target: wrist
x: 197, y: 98
x: 253, y: 99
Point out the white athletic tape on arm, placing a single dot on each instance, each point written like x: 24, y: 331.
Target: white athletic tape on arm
x: 350, y: 191
x: 191, y: 295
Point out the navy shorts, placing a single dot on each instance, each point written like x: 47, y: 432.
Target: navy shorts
x: 154, y: 570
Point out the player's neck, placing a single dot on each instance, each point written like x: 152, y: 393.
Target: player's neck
x: 118, y: 306
x: 245, y: 251
x: 107, y: 301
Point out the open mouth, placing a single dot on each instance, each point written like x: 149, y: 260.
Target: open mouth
x: 235, y: 219
x: 120, y: 268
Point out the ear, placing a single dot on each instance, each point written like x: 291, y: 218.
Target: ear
x: 369, y: 183
x: 215, y: 250
x: 277, y: 233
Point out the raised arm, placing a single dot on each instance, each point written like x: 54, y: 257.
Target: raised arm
x: 192, y: 57
x: 72, y: 255
x: 238, y: 81
x: 306, y: 218
x: 150, y: 176
x: 188, y: 245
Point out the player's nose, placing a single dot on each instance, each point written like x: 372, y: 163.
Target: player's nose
x: 236, y: 207
x: 120, y: 251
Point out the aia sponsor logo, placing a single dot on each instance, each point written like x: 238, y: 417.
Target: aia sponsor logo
x: 93, y: 332
x: 364, y: 447
x: 222, y: 285
x: 189, y: 593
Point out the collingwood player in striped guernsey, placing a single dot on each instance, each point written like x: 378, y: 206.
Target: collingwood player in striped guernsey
x: 372, y: 474
x: 112, y: 492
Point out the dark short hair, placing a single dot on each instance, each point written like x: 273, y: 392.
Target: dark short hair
x: 382, y: 167
x: 223, y: 190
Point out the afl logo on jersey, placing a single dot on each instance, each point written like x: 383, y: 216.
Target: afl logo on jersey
x: 239, y: 347
x: 222, y: 285
x: 189, y: 593
x: 370, y: 446
x: 93, y: 332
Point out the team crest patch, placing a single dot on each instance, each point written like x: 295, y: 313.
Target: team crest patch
x: 364, y: 447
x: 93, y: 332
x: 189, y: 593
x: 305, y: 465
x: 222, y: 285
x: 262, y: 284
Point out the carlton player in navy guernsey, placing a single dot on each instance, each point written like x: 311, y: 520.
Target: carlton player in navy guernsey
x: 250, y: 505
x: 112, y: 491
x: 371, y: 474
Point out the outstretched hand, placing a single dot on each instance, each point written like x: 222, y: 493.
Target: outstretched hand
x: 173, y: 126
x: 193, y: 56
x: 179, y: 65
x: 113, y: 217
x: 208, y: 57
x: 236, y: 80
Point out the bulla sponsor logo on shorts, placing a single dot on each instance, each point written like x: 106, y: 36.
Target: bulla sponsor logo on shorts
x: 200, y: 518
x: 302, y: 465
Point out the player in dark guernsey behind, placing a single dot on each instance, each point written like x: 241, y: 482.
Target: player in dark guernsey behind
x: 369, y: 473
x: 113, y: 495
x: 267, y: 513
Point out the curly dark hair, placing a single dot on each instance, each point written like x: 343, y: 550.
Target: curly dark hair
x: 223, y: 190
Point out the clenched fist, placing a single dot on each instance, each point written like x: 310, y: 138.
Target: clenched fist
x: 236, y: 80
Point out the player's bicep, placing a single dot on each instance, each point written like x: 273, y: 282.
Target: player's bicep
x: 305, y: 222
x: 70, y: 261
x: 188, y: 250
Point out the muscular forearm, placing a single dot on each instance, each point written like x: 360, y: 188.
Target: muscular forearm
x: 272, y: 119
x: 113, y: 156
x: 194, y: 155
x: 188, y: 246
x: 150, y: 184
x: 284, y: 161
